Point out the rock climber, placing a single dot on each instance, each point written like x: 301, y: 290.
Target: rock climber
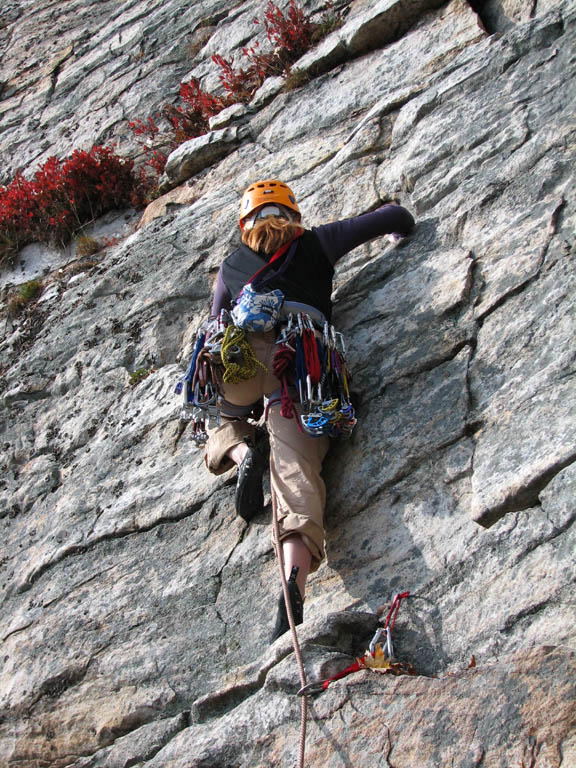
x: 270, y: 218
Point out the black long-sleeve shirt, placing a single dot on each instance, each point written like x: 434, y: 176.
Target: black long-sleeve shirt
x: 340, y: 237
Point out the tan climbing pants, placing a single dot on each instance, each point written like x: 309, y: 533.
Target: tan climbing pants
x: 295, y: 457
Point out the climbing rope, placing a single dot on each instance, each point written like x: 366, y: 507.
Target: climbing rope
x: 238, y: 358
x: 282, y: 365
x: 295, y: 643
x: 311, y: 356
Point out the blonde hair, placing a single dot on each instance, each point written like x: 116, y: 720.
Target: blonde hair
x: 267, y: 235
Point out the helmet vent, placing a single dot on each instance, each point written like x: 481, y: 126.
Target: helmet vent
x: 265, y: 192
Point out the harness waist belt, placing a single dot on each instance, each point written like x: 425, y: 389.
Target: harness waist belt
x: 294, y: 307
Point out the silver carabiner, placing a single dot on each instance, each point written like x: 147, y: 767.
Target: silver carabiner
x: 387, y: 645
x: 332, y: 337
x: 376, y: 639
x: 286, y: 332
x: 340, y: 337
x: 389, y: 648
x: 311, y: 689
x: 309, y: 388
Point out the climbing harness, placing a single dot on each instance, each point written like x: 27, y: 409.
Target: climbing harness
x: 379, y: 657
x: 307, y: 361
x: 316, y: 363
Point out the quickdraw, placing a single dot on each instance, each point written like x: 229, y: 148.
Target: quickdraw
x: 320, y: 376
x: 199, y: 386
x: 379, y: 656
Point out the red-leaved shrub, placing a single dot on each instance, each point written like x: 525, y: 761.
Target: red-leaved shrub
x: 186, y: 121
x: 291, y: 33
x: 62, y: 196
x: 191, y: 119
x: 239, y: 84
x: 154, y: 163
x: 65, y: 194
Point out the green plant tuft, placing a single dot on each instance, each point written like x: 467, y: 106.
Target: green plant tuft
x: 25, y: 296
x: 31, y: 290
x: 138, y: 375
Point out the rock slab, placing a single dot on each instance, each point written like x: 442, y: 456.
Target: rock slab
x: 136, y: 607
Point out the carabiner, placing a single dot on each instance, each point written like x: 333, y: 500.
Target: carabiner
x: 332, y: 337
x: 312, y: 689
x: 387, y: 645
x: 326, y: 335
x: 315, y: 401
x: 286, y: 333
x: 340, y: 337
x: 300, y: 323
x: 376, y: 639
x: 309, y: 388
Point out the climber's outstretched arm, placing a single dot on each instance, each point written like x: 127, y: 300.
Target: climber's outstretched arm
x: 340, y: 237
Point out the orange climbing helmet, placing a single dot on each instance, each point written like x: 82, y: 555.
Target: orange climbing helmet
x: 269, y: 191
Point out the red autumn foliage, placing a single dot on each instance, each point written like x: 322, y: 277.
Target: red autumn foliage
x: 191, y: 119
x: 65, y: 194
x: 186, y: 121
x: 240, y: 84
x: 62, y: 196
x: 291, y: 34
x: 155, y: 159
x: 148, y: 129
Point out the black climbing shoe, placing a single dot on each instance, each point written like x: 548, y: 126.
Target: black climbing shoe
x: 297, y: 604
x: 249, y: 492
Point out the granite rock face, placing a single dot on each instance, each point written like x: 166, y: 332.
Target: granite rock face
x: 136, y: 607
